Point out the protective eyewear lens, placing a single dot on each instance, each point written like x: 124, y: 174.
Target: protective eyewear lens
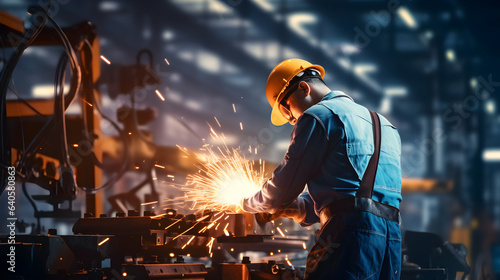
x: 287, y: 95
x: 285, y: 109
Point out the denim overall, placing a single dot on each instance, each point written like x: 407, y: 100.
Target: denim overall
x: 359, y: 238
x: 329, y: 151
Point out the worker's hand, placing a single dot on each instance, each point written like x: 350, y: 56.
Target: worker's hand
x: 295, y: 211
x: 263, y: 218
x: 235, y: 209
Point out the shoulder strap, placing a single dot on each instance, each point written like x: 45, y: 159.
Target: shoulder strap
x: 368, y: 181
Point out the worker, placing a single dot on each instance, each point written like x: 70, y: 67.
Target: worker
x: 331, y: 146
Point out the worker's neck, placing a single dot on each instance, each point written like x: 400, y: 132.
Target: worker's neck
x: 320, y: 92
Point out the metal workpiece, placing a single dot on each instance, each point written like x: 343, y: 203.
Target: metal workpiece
x: 240, y: 225
x: 165, y: 271
x: 258, y: 271
x: 139, y: 225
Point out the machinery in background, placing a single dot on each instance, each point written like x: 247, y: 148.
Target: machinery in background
x: 175, y: 246
x: 150, y: 247
x: 50, y: 148
x: 163, y: 246
x: 430, y: 257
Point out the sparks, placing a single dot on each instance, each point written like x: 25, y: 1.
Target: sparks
x: 168, y: 63
x: 174, y: 223
x: 88, y: 103
x: 218, y: 123
x: 157, y: 216
x: 211, y: 225
x: 105, y: 59
x: 234, y: 108
x: 288, y: 262
x: 147, y: 203
x: 279, y: 230
x: 241, y: 125
x: 189, y: 228
x: 191, y: 239
x: 202, y: 218
x: 104, y: 241
x: 160, y: 95
x: 224, y: 178
x: 304, y: 245
x: 210, y: 244
x: 203, y: 229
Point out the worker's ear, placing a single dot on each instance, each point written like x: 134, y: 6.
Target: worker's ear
x: 305, y: 87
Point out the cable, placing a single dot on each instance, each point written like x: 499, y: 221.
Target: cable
x: 67, y: 178
x: 58, y: 116
x: 75, y: 68
x: 19, y: 98
x: 59, y: 105
x: 5, y: 76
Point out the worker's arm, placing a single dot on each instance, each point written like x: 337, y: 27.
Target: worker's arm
x: 300, y: 210
x: 305, y: 155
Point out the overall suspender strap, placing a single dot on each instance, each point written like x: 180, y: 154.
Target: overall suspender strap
x: 363, y: 202
x: 368, y: 181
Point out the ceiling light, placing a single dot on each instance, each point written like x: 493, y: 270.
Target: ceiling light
x: 264, y: 5
x: 450, y: 55
x: 385, y: 106
x: 167, y: 35
x: 45, y: 91
x: 297, y: 21
x: 407, y: 17
x: 491, y: 155
x: 395, y: 91
x: 362, y: 69
x: 109, y: 6
x: 490, y: 107
x: 473, y: 82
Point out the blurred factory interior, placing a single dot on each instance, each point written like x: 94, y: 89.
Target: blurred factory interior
x: 430, y: 67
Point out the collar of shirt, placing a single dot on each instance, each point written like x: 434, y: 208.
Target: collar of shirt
x: 336, y: 94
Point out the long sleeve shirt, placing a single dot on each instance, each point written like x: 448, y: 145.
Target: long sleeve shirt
x: 329, y: 150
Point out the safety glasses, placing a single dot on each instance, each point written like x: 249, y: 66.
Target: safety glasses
x: 284, y: 108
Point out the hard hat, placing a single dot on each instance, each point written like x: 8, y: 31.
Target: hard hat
x: 278, y: 81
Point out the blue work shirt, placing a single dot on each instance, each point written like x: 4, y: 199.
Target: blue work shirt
x: 329, y: 151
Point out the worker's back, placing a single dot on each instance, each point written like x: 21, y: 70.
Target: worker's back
x: 349, y: 128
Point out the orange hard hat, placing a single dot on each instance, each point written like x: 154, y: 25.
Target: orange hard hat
x: 278, y: 81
